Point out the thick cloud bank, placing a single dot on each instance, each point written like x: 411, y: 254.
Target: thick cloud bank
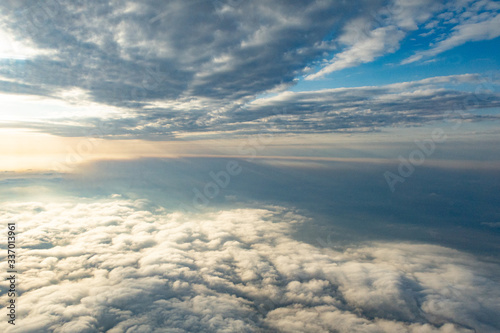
x: 123, y: 266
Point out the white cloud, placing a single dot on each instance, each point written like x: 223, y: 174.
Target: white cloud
x: 377, y: 33
x: 492, y: 224
x: 12, y: 48
x: 123, y: 266
x: 370, y: 107
x: 473, y: 27
x: 179, y: 69
x: 380, y: 41
x: 380, y: 30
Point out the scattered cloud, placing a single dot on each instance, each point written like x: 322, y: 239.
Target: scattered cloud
x: 381, y: 30
x: 126, y: 266
x: 492, y: 224
x: 478, y: 21
x: 378, y: 33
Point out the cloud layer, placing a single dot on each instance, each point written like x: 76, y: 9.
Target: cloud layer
x: 124, y: 266
x: 359, y: 109
x: 194, y: 66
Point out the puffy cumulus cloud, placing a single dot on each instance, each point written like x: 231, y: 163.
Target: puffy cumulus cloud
x: 125, y: 266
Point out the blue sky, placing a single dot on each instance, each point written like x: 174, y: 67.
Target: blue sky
x: 473, y: 57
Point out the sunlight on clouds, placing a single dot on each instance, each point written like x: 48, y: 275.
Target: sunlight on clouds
x: 12, y: 48
x: 24, y: 149
x: 69, y: 103
x: 121, y: 266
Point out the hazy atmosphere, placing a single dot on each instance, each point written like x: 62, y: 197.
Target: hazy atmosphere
x: 250, y: 166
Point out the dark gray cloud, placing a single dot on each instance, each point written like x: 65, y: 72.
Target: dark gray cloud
x: 119, y: 265
x: 127, y: 52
